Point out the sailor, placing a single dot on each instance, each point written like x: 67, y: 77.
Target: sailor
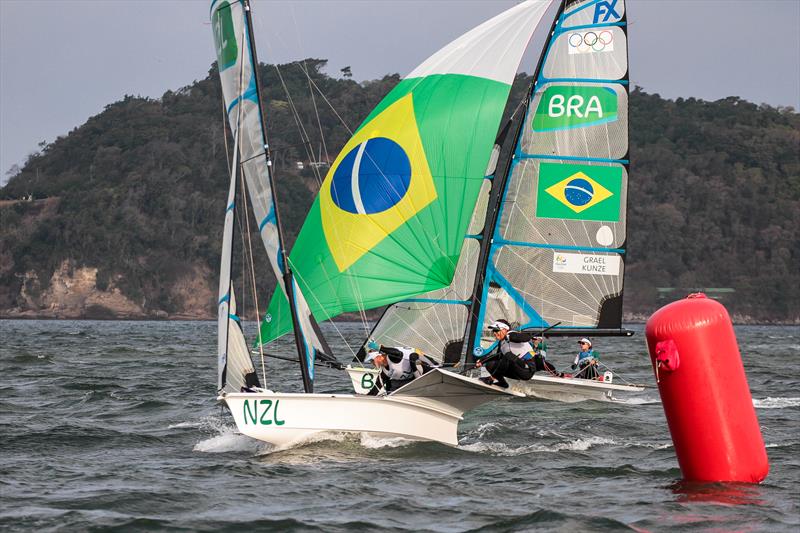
x: 398, y: 365
x: 586, y: 361
x: 514, y: 357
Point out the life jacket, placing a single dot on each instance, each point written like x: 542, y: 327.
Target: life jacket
x: 403, y: 369
x: 523, y: 350
x: 584, y: 357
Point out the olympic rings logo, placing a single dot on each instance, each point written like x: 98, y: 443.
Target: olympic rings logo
x: 590, y: 41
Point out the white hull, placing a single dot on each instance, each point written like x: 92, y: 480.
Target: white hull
x: 569, y: 390
x: 283, y: 419
x: 542, y: 386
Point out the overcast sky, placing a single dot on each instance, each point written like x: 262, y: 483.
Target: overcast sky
x: 62, y: 61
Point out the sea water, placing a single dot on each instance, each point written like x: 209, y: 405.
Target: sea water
x: 114, y: 425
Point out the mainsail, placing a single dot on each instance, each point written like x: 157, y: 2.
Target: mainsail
x: 391, y: 215
x: 237, y: 62
x: 557, y: 250
x: 552, y: 239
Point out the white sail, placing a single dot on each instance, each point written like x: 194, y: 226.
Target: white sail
x: 237, y: 70
x: 234, y: 360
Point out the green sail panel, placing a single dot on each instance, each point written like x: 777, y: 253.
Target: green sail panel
x: 391, y: 215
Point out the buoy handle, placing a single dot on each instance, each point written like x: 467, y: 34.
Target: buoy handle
x: 667, y: 357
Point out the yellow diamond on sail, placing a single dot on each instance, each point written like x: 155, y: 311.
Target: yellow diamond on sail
x: 379, y: 181
x: 579, y: 192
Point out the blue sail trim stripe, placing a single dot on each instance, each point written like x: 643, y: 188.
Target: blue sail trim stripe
x: 565, y: 16
x: 477, y: 350
x: 488, y: 349
x: 503, y: 242
x: 573, y: 158
x: 226, y: 298
x: 231, y: 207
x: 281, y: 258
x: 234, y: 317
x: 435, y: 301
x: 542, y: 80
x: 564, y: 29
x: 476, y: 237
x: 267, y: 219
x: 535, y: 317
x: 493, y: 274
x: 249, y: 94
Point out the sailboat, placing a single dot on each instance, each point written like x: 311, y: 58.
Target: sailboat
x: 417, y: 159
x: 546, y: 246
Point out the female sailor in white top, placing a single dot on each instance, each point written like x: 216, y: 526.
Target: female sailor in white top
x: 398, y: 365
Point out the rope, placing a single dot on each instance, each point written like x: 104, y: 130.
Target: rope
x: 316, y: 111
x: 313, y: 295
x: 310, y: 89
x: 329, y: 364
x: 304, y: 137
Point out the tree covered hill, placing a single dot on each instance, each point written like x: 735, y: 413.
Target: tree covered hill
x: 126, y: 210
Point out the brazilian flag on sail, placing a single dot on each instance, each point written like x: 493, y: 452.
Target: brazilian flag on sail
x: 391, y: 214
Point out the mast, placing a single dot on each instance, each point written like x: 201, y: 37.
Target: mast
x: 288, y: 279
x: 495, y: 200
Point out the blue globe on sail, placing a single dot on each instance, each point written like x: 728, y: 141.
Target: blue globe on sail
x: 373, y: 177
x: 578, y: 192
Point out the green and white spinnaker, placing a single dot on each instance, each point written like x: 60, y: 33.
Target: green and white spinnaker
x: 392, y: 212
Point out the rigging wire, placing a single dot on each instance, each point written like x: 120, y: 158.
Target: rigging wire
x: 304, y: 137
x: 310, y: 88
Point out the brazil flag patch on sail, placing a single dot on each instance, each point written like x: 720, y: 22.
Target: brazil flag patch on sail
x: 379, y: 181
x: 579, y: 192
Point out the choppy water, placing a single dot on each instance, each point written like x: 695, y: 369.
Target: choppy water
x: 113, y: 425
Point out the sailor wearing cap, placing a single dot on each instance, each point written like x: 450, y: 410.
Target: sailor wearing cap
x: 586, y: 360
x: 398, y: 365
x: 514, y: 357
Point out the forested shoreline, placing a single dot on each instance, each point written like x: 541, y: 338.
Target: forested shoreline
x: 121, y: 217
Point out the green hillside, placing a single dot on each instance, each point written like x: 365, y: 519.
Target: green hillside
x: 138, y: 193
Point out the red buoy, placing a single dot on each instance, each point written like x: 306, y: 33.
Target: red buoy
x: 704, y: 392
